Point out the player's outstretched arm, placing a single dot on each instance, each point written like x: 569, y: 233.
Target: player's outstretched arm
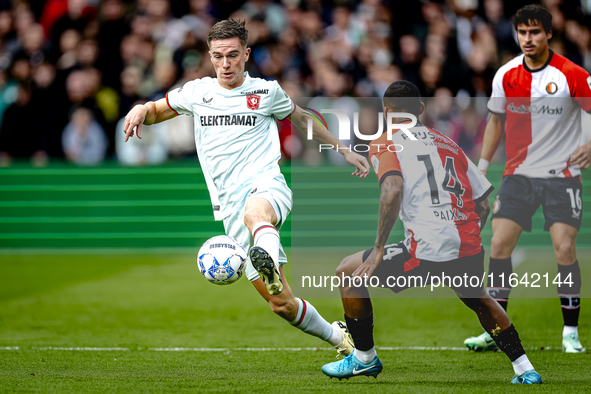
x: 390, y: 199
x: 300, y: 117
x: 149, y: 113
x: 492, y: 138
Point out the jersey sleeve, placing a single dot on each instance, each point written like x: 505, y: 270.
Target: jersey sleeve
x: 385, y: 163
x: 580, y: 84
x: 179, y: 100
x: 281, y: 106
x: 481, y: 187
x: 498, y: 100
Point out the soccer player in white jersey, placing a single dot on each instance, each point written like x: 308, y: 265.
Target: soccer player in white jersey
x: 238, y: 147
x: 441, y: 198
x: 537, y: 98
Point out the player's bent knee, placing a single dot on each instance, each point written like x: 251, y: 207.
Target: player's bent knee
x: 565, y: 252
x: 251, y: 217
x: 347, y: 266
x: 501, y: 248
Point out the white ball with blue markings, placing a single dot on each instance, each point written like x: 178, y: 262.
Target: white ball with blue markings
x: 221, y: 260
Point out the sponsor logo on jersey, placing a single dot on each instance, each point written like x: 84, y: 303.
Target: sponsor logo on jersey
x: 253, y: 101
x: 258, y: 91
x: 551, y: 88
x: 496, y: 205
x: 508, y: 84
x: 534, y: 109
x: 206, y: 101
x: 228, y: 120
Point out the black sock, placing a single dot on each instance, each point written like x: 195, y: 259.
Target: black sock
x: 570, y: 293
x: 508, y: 341
x: 499, y: 287
x: 362, y: 332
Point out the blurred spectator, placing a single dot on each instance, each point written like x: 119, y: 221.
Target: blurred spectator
x: 468, y: 133
x: 112, y: 29
x: 84, y: 140
x: 441, y: 113
x: 409, y: 58
x: 151, y: 149
x: 20, y: 136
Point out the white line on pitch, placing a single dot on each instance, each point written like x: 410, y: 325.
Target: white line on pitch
x: 84, y: 349
x: 248, y: 349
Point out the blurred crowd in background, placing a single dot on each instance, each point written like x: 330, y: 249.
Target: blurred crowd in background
x: 70, y: 70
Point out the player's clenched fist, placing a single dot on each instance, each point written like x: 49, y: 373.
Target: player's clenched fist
x: 135, y: 118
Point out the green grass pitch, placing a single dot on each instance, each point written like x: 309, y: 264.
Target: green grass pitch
x: 125, y: 307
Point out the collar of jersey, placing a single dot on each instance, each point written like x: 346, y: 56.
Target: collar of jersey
x: 541, y: 68
x: 246, y: 80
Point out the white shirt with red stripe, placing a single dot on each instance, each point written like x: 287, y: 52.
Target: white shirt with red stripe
x: 543, y: 109
x: 441, y: 189
x: 235, y: 133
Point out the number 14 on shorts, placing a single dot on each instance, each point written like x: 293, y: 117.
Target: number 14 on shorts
x: 528, y: 280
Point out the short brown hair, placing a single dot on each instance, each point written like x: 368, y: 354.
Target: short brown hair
x: 227, y: 29
x: 530, y: 14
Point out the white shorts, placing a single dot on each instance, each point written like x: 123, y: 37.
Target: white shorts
x: 279, y: 195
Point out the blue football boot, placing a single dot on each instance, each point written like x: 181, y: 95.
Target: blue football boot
x: 528, y: 377
x: 351, y: 366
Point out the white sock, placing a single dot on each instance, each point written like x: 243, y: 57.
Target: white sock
x: 336, y: 337
x: 366, y: 356
x: 567, y: 330
x: 521, y: 365
x: 267, y: 237
x: 309, y: 321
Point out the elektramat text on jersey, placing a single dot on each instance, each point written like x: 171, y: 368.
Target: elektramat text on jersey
x: 228, y: 120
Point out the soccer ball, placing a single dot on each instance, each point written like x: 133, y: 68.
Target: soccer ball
x: 221, y: 260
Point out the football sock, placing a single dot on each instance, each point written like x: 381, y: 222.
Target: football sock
x: 521, y: 365
x: 508, y: 341
x: 309, y: 321
x: 267, y: 237
x: 567, y: 330
x: 365, y: 356
x: 362, y: 332
x: 570, y: 293
x: 336, y: 337
x: 499, y: 288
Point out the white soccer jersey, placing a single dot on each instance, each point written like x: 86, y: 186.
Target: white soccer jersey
x: 543, y: 108
x: 235, y: 133
x: 441, y: 189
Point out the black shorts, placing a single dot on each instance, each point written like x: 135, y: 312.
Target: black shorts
x: 519, y: 197
x: 398, y: 263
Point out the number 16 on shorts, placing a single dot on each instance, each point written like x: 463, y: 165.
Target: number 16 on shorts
x: 575, y: 201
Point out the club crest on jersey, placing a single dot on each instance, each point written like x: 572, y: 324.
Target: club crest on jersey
x: 253, y: 101
x: 496, y: 205
x: 551, y: 88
